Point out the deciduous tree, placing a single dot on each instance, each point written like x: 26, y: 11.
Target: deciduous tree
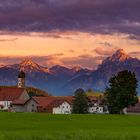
x: 121, y: 92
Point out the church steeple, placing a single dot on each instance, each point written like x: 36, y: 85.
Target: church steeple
x: 21, y: 80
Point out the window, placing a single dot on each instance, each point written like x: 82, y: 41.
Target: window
x: 4, y: 103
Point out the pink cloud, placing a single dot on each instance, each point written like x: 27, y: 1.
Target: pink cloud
x: 104, y: 51
x: 87, y: 61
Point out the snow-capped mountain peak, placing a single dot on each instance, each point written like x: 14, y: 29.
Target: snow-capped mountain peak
x: 120, y: 56
x: 28, y: 62
x: 28, y: 65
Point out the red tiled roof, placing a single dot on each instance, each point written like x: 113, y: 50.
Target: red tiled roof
x: 69, y: 99
x: 93, y: 98
x: 19, y: 102
x: 56, y: 103
x: 50, y: 102
x: 134, y: 109
x: 10, y: 93
x: 43, y: 101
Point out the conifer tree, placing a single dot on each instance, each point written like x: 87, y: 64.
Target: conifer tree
x: 80, y: 103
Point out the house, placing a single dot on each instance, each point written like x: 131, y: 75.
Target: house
x: 29, y: 105
x: 96, y: 106
x: 10, y: 94
x: 133, y: 109
x: 54, y: 105
x: 95, y: 109
x: 62, y: 107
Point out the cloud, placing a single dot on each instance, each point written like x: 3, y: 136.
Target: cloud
x: 87, y: 61
x: 134, y: 54
x: 133, y: 37
x: 47, y: 60
x: 107, y: 44
x: 71, y: 51
x: 98, y: 16
x: 8, y: 40
x: 84, y: 50
x: 104, y: 51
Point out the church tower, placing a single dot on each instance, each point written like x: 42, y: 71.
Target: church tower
x: 21, y: 80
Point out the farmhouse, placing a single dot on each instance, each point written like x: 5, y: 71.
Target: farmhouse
x: 95, y: 106
x: 55, y: 105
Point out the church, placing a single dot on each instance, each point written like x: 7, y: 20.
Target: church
x: 8, y: 95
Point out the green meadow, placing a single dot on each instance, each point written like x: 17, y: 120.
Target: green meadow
x: 36, y: 126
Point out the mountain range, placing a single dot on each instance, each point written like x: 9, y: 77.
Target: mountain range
x: 60, y: 80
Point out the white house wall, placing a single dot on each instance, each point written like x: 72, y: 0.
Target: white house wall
x: 96, y: 109
x: 92, y: 109
x: 5, y: 104
x: 64, y: 108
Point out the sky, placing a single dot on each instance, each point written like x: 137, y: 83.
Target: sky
x: 68, y: 32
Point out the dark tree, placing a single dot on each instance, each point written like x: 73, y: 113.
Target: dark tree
x: 80, y: 102
x: 121, y: 92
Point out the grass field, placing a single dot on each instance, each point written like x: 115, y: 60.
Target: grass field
x: 35, y: 126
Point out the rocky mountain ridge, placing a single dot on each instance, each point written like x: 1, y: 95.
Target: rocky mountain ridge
x: 60, y: 80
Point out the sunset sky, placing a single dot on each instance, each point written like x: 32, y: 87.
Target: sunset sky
x: 68, y: 32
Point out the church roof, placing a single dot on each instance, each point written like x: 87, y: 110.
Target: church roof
x: 10, y: 93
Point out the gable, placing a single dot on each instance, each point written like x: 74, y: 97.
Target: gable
x: 65, y: 103
x: 24, y: 95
